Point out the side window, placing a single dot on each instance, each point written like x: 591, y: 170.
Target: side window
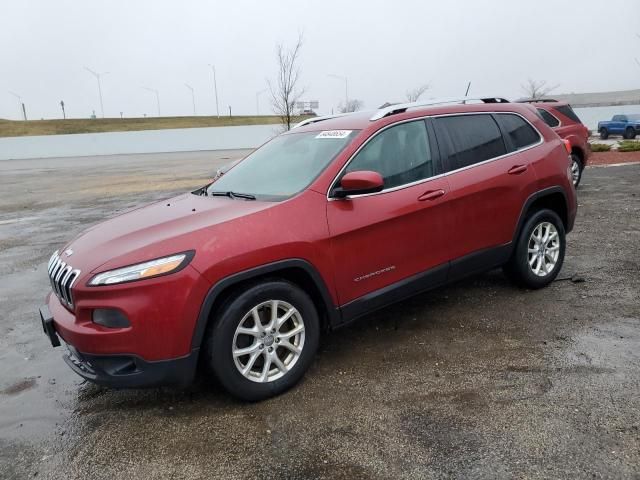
x: 471, y: 139
x: 548, y: 118
x: 401, y: 154
x: 519, y: 131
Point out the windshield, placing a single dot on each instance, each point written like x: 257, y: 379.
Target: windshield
x: 284, y: 166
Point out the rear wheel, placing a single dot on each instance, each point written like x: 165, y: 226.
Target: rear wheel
x: 539, y: 251
x: 604, y: 133
x: 263, y: 340
x: 630, y: 133
x: 576, y: 169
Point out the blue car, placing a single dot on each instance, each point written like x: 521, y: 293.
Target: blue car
x: 626, y: 125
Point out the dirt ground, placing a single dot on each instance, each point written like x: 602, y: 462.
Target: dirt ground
x: 475, y: 380
x: 608, y: 158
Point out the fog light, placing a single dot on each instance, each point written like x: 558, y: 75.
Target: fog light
x: 111, y: 318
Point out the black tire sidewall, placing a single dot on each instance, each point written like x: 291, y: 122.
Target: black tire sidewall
x: 630, y: 134
x: 520, y: 266
x: 604, y: 133
x: 220, y: 337
x: 576, y: 158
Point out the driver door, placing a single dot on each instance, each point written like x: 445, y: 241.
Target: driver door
x: 393, y: 242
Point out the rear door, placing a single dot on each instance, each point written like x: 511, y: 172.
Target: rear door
x: 387, y: 237
x: 490, y: 177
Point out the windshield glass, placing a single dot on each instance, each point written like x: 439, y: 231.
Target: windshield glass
x: 284, y: 166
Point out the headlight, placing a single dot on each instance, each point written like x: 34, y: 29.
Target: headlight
x: 140, y: 271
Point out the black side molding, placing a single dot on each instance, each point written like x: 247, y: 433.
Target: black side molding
x: 270, y: 268
x: 479, y: 262
x: 432, y: 278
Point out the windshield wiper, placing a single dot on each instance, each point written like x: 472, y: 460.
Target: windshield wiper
x: 233, y: 195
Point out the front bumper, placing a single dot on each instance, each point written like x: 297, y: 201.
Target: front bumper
x: 122, y: 370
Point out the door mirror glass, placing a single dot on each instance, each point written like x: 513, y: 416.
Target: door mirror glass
x: 358, y: 183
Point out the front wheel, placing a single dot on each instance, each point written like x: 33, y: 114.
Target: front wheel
x: 539, y: 251
x: 576, y: 169
x: 263, y: 340
x: 604, y: 133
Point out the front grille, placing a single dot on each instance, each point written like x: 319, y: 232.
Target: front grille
x: 62, y: 277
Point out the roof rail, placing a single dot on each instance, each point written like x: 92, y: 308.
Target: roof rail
x: 403, y: 107
x: 537, y: 100
x: 311, y: 120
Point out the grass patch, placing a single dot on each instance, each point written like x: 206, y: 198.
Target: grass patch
x: 11, y: 128
x: 600, y: 147
x: 629, y: 146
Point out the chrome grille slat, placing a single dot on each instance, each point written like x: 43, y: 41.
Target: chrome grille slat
x: 62, y: 277
x: 63, y: 283
x: 58, y: 276
x: 54, y: 270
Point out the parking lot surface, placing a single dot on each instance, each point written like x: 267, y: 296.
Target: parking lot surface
x: 476, y: 380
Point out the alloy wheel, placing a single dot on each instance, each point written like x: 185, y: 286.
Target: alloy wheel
x: 268, y: 341
x: 543, y: 249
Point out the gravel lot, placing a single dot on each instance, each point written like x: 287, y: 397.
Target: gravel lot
x: 476, y: 380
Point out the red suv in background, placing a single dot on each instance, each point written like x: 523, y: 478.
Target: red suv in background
x: 564, y: 121
x: 323, y: 224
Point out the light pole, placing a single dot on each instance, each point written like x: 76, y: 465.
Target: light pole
x: 21, y: 105
x: 215, y: 87
x: 346, y: 89
x: 258, y: 100
x: 157, y: 96
x: 193, y: 97
x: 98, y: 75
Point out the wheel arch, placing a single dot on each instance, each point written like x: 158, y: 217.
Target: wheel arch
x: 295, y: 270
x: 552, y: 198
x: 579, y: 152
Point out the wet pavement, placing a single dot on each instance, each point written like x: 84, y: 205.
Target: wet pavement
x: 475, y: 380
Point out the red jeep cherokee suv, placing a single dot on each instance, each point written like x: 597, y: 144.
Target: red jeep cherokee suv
x: 333, y: 219
x: 564, y: 121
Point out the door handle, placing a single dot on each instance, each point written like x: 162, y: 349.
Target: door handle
x: 431, y: 195
x: 517, y: 170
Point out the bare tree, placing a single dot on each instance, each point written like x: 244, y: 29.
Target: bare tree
x: 537, y: 88
x: 285, y: 91
x: 352, y: 106
x: 414, y: 94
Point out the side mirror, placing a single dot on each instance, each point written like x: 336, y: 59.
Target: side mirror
x: 358, y: 183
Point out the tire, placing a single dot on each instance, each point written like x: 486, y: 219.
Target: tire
x: 576, y: 169
x: 630, y: 133
x: 518, y: 268
x: 604, y: 133
x: 223, y: 336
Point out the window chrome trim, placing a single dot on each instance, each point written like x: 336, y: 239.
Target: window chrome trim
x: 440, y: 175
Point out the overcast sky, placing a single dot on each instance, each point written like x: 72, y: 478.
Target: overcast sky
x: 383, y: 47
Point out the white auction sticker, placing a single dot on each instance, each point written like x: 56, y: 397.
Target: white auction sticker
x: 334, y: 134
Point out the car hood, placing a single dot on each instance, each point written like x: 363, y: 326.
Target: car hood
x: 156, y: 230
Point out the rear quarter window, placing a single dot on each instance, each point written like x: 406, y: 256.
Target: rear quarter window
x: 518, y: 130
x: 568, y: 112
